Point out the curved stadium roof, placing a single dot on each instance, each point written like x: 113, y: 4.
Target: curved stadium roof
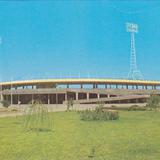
x: 80, y: 81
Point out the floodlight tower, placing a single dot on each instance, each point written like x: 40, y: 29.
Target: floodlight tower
x: 134, y: 73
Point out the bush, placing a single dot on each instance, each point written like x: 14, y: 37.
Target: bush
x: 70, y: 103
x: 136, y: 108
x: 37, y: 117
x: 113, y: 115
x: 154, y: 102
x: 98, y: 114
x: 112, y: 106
x: 5, y: 103
x: 14, y: 110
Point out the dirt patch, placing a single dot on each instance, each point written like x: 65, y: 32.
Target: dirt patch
x: 5, y: 112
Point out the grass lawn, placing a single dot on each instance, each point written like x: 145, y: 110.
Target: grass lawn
x: 135, y: 136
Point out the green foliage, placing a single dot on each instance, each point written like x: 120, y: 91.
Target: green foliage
x: 5, y: 103
x: 70, y: 103
x: 98, y: 114
x: 136, y: 108
x: 154, y: 102
x: 14, y: 110
x: 37, y: 117
x: 100, y: 104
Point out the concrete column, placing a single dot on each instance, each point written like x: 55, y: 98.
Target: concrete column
x: 18, y: 99
x: 65, y: 96
x: 2, y: 97
x: 137, y: 100
x: 56, y: 98
x: 76, y: 95
x: 87, y: 96
x: 48, y: 99
x: 95, y: 85
x: 11, y: 99
x: 32, y: 98
x: 11, y: 96
x: 108, y: 96
x: 126, y: 86
x: 98, y: 95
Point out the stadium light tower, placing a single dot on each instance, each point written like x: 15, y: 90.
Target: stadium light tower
x: 134, y: 73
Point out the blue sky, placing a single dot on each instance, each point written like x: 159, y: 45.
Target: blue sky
x: 59, y: 39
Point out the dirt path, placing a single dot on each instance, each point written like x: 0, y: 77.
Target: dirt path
x: 10, y: 114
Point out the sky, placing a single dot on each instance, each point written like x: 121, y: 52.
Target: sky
x: 77, y: 39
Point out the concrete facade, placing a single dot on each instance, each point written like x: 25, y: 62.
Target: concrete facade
x: 82, y: 91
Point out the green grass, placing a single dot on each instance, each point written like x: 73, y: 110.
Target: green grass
x: 135, y: 136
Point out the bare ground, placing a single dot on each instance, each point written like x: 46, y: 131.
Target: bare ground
x: 17, y: 110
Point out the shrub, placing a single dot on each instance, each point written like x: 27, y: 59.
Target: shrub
x: 37, y: 117
x: 154, y: 102
x: 98, y: 114
x: 5, y: 103
x: 70, y: 103
x: 113, y: 115
x: 100, y: 104
x: 136, y: 108
x: 14, y: 110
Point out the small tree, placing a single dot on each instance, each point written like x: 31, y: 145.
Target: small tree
x: 100, y: 104
x: 154, y: 102
x: 37, y: 117
x: 70, y: 103
x: 5, y: 103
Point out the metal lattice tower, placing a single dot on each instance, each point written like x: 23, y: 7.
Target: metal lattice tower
x: 134, y: 73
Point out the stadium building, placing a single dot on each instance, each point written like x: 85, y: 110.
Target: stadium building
x: 82, y: 91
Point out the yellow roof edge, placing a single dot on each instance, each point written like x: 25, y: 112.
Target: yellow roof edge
x: 79, y: 80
